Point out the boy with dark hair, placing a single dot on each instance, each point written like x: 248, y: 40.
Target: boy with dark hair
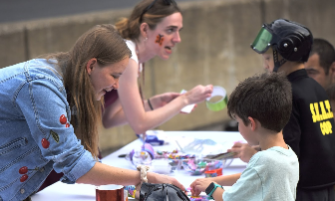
x: 321, y: 63
x: 285, y: 46
x: 262, y: 106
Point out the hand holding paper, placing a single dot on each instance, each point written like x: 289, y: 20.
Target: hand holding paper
x: 196, y: 95
x: 189, y: 108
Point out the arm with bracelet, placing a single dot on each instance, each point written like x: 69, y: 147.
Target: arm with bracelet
x: 214, y: 191
x: 213, y: 186
x: 165, y: 105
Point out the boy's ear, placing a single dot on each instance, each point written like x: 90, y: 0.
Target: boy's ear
x: 252, y: 123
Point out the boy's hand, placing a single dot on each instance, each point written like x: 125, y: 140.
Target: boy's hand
x: 200, y: 185
x: 244, y: 151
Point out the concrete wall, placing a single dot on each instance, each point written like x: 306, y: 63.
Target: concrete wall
x: 214, y: 49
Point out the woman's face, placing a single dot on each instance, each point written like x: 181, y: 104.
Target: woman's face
x: 165, y: 36
x: 105, y: 79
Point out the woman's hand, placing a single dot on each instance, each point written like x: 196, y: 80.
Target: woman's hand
x: 243, y: 151
x: 199, y: 94
x: 160, y: 100
x: 160, y: 178
x: 155, y: 178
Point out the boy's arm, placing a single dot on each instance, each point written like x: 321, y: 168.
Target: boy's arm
x: 200, y: 185
x: 217, y: 195
x: 227, y: 180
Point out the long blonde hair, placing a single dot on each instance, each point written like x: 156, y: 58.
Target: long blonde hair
x: 129, y: 28
x: 104, y: 43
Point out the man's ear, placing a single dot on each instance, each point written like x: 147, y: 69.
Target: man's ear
x: 253, y: 123
x: 332, y: 72
x: 90, y: 65
x: 144, y: 30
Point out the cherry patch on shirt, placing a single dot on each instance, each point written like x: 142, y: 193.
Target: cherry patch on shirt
x: 23, y: 170
x: 54, y: 135
x: 45, y: 142
x: 67, y: 125
x: 159, y: 39
x: 24, y: 178
x: 63, y: 119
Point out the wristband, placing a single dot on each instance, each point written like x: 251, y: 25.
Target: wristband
x: 143, y: 172
x: 211, y: 188
x: 149, y: 103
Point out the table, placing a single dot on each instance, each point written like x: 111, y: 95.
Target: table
x: 85, y: 192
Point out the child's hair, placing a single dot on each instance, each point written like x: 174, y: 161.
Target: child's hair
x: 265, y: 97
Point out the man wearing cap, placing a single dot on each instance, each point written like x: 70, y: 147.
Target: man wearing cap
x: 321, y: 63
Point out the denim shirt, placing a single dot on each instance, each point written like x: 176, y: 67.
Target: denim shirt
x: 34, y: 136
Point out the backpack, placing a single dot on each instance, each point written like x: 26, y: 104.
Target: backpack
x: 161, y: 192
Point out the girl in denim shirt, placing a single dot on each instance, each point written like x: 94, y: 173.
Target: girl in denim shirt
x: 45, y: 101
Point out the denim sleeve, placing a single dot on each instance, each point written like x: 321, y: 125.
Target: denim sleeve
x: 42, y: 102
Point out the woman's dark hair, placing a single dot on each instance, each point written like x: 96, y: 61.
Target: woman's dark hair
x: 151, y: 12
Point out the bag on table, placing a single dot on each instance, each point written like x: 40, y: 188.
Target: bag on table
x: 166, y: 192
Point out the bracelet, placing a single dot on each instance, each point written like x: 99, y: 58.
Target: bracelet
x: 143, y: 172
x: 214, y: 186
x: 149, y: 103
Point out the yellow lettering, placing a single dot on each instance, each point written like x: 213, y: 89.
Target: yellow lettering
x: 322, y: 128
x: 317, y: 113
x: 328, y: 109
x: 323, y: 111
x: 329, y: 126
x: 326, y: 128
x: 313, y: 113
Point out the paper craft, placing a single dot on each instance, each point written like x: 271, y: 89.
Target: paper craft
x: 214, y: 104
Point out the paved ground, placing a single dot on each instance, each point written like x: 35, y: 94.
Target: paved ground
x: 19, y: 10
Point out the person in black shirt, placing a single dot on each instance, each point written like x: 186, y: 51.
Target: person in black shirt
x: 285, y: 46
x: 321, y: 63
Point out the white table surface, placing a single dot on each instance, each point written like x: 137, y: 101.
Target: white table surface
x: 73, y: 192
